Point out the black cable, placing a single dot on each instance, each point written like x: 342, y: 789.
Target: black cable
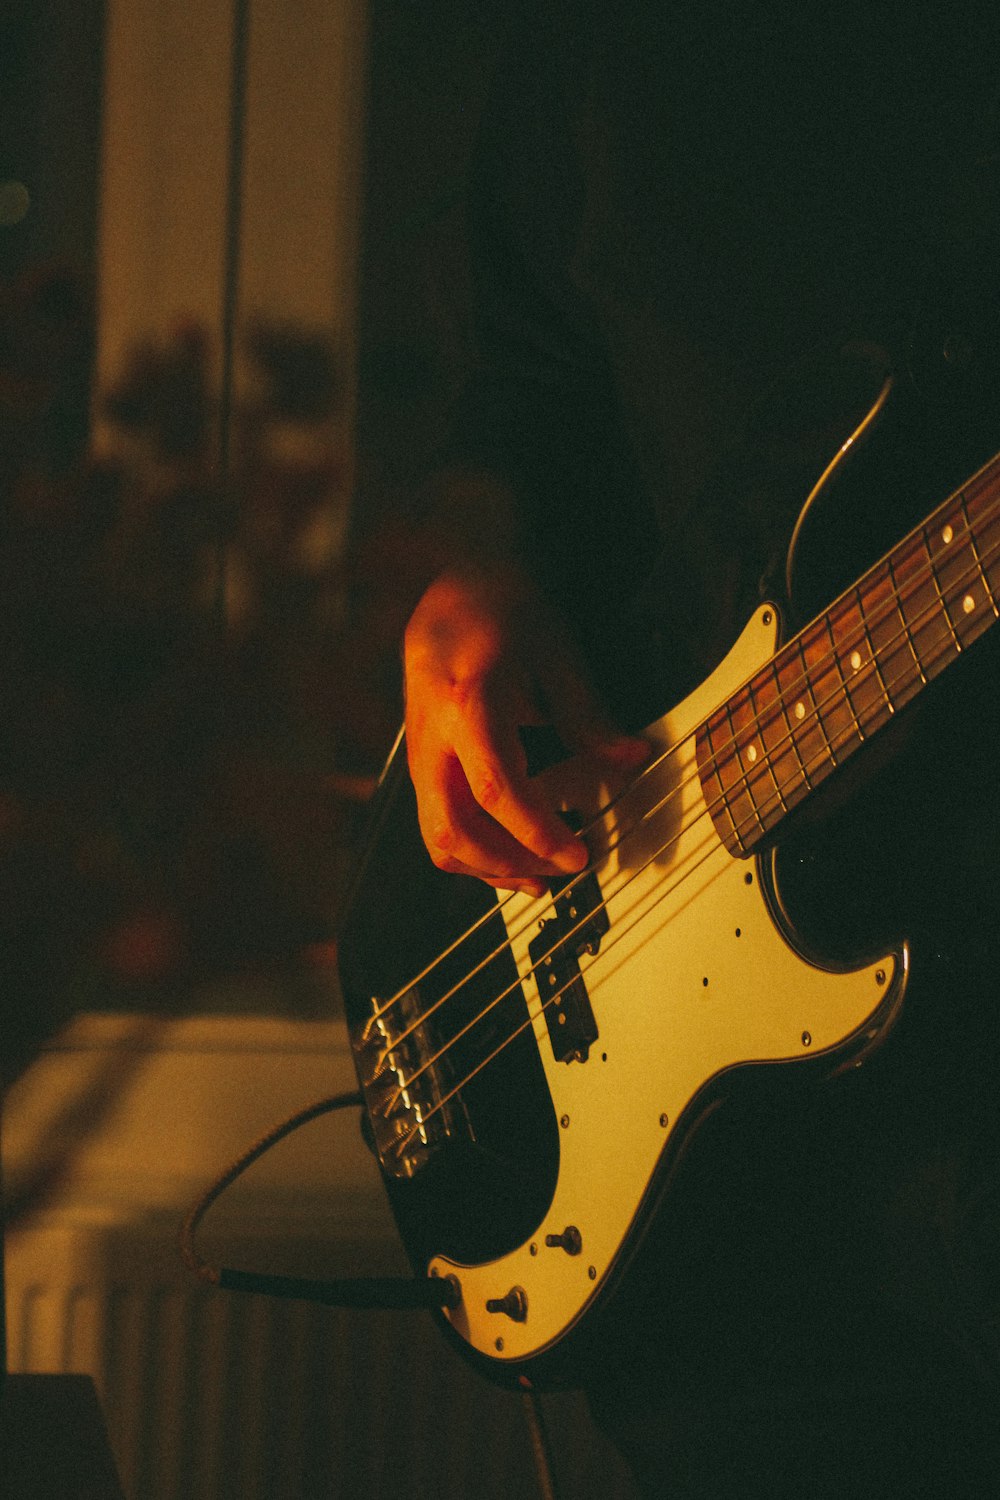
x: 390, y: 1292
x: 541, y: 1449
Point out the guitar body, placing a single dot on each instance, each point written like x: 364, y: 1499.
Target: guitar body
x: 696, y: 977
x: 696, y: 980
x: 535, y: 1069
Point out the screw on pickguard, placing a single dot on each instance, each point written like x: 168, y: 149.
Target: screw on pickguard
x: 577, y: 928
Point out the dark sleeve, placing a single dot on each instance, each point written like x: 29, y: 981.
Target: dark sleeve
x: 540, y: 411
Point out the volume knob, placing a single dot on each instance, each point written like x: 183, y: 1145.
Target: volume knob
x: 515, y: 1304
x: 571, y: 1240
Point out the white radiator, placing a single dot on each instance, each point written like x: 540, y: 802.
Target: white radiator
x: 212, y: 1396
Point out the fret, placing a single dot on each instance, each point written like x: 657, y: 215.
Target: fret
x: 899, y: 667
x: 811, y: 748
x: 885, y: 705
x: 944, y: 603
x: 863, y: 688
x: 981, y: 504
x: 949, y: 546
x: 963, y: 584
x: 722, y: 782
x: 777, y: 735
x: 838, y: 663
x: 833, y: 705
x: 992, y: 555
x: 905, y: 626
x: 919, y: 600
x: 771, y: 803
x: 753, y: 764
x: 841, y: 679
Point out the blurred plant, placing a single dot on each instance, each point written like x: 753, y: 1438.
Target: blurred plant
x: 171, y: 712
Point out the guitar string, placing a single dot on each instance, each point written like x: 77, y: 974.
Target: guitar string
x: 551, y: 999
x: 846, y: 738
x: 543, y: 903
x: 534, y: 1014
x: 760, y: 810
x: 919, y: 533
x: 406, y: 1140
x: 562, y: 940
x: 544, y: 1005
x: 387, y: 1005
x: 841, y: 690
x: 380, y: 1011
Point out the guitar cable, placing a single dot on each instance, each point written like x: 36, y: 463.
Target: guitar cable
x: 394, y: 1293
x: 388, y: 1293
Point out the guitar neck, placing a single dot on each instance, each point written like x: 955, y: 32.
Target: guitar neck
x: 841, y: 679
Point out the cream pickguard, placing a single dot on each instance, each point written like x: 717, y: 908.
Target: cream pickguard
x: 693, y: 977
x: 522, y: 1159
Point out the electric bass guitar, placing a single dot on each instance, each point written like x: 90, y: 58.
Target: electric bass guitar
x: 532, y: 1067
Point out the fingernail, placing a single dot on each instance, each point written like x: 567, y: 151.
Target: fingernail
x: 525, y: 887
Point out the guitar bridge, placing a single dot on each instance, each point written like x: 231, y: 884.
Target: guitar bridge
x: 405, y: 1089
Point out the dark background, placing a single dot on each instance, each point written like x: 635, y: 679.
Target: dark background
x: 179, y: 802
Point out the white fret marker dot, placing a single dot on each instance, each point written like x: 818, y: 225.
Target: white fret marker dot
x: 947, y: 535
x: 752, y: 753
x: 968, y: 604
x: 800, y: 710
x: 856, y: 660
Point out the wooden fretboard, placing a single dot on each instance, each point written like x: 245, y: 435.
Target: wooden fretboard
x: 841, y: 679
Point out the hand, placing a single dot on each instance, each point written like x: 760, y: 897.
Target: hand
x: 483, y: 656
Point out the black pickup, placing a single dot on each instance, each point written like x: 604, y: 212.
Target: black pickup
x: 577, y: 927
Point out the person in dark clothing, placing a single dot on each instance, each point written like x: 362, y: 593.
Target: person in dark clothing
x: 682, y: 219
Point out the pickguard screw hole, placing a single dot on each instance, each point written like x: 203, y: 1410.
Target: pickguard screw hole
x: 880, y: 976
x: 807, y: 1039
x: 499, y: 1346
x: 592, y: 1272
x: 739, y: 932
x: 564, y: 1121
x: 664, y: 1120
x: 766, y: 617
x: 748, y: 879
x: 704, y: 982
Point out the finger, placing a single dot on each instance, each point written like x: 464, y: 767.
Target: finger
x: 462, y: 838
x: 493, y: 760
x: 500, y: 883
